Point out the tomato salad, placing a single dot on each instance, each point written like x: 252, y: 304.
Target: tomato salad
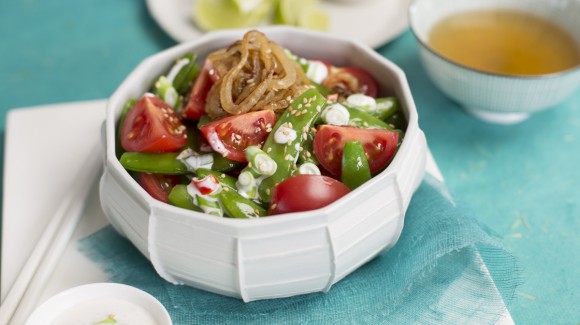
x: 255, y: 130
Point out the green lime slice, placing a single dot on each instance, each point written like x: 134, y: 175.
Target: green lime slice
x: 222, y: 14
x: 314, y: 19
x: 288, y: 11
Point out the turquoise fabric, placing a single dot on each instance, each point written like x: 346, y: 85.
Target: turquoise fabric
x: 433, y: 275
x: 522, y: 180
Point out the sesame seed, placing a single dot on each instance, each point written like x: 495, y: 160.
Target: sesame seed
x: 227, y: 189
x: 249, y: 164
x: 307, y: 105
x: 304, y: 111
x: 223, y: 175
x: 304, y: 100
x: 269, y: 150
x: 299, y: 106
x: 273, y: 206
x: 308, y: 154
x: 239, y: 137
x: 268, y: 193
x: 288, y: 157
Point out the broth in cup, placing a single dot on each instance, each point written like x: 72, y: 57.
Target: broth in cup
x: 501, y: 60
x: 505, y: 42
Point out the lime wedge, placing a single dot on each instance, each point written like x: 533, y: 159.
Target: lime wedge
x: 288, y: 11
x: 220, y: 14
x: 303, y: 13
x: 314, y: 19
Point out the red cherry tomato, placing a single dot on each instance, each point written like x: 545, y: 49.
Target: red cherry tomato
x: 157, y: 185
x: 379, y: 146
x: 152, y: 126
x: 231, y: 136
x: 195, y: 107
x: 340, y: 80
x: 305, y: 192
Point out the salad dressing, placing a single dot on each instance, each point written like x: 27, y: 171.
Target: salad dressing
x: 505, y: 42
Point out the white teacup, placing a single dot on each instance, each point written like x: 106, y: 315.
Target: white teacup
x: 496, y: 97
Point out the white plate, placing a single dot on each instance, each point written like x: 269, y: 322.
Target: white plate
x: 373, y: 22
x: 98, y: 303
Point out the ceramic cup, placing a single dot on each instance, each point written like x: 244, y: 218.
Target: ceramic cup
x: 494, y: 97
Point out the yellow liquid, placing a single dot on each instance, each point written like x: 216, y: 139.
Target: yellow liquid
x: 505, y: 42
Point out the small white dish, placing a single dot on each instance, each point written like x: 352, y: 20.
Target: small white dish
x: 373, y: 23
x: 492, y: 97
x: 98, y: 303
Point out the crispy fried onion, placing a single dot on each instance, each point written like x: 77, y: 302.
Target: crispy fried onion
x: 342, y: 83
x: 255, y: 73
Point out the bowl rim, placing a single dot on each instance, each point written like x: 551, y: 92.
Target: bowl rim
x: 116, y: 100
x: 412, y: 26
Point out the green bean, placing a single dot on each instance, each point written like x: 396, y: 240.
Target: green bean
x: 159, y: 163
x: 237, y: 206
x: 186, y: 75
x: 287, y: 138
x: 355, y: 166
x: 386, y: 107
x: 181, y: 198
x: 306, y: 154
x: 365, y: 120
x: 223, y: 164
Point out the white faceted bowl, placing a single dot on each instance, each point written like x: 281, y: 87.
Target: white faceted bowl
x: 276, y: 256
x: 495, y: 97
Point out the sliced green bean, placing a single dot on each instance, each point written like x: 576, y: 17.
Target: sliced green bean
x: 386, y: 107
x: 181, y: 198
x: 355, y: 166
x: 307, y: 152
x: 285, y: 141
x: 223, y: 164
x: 186, y: 75
x: 237, y: 206
x: 159, y: 163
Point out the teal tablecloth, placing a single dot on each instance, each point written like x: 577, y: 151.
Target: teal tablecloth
x: 522, y: 180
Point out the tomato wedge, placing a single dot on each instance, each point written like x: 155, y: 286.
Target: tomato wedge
x: 379, y: 146
x: 305, y: 192
x: 340, y: 80
x: 230, y: 136
x: 195, y: 107
x: 152, y: 126
x: 158, y: 185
